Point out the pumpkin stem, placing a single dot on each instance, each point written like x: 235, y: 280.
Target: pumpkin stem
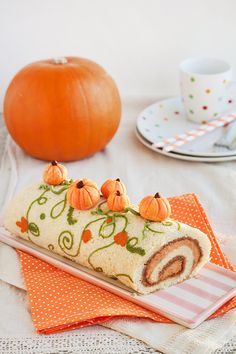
x: 60, y: 60
x: 118, y: 180
x: 157, y: 195
x: 54, y: 163
x: 80, y: 184
x: 118, y: 193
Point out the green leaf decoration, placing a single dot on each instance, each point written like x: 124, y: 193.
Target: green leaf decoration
x: 70, y: 219
x: 130, y: 246
x: 44, y: 186
x: 34, y: 230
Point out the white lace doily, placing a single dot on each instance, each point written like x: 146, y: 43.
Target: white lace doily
x: 95, y: 340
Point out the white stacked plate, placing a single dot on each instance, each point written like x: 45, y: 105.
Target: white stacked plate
x: 166, y: 119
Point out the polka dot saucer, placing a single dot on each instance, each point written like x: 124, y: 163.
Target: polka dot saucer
x: 167, y: 118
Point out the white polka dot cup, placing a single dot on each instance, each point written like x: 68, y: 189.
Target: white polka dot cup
x: 205, y: 84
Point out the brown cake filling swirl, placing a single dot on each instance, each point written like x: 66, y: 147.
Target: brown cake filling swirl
x: 175, y: 266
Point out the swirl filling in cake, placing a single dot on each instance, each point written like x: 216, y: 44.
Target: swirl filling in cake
x: 178, y: 257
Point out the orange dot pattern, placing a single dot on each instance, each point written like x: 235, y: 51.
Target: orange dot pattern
x: 60, y: 301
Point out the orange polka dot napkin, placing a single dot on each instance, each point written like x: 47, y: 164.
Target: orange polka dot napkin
x: 60, y: 301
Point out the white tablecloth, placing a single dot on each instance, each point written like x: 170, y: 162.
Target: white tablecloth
x: 143, y: 172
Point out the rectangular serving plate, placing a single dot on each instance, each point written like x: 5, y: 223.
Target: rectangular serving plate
x: 188, y: 303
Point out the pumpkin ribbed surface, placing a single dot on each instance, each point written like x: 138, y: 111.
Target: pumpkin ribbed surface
x: 62, y: 110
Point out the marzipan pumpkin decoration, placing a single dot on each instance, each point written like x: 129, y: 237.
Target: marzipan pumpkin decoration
x: 61, y: 105
x: 83, y: 194
x: 117, y: 201
x: 55, y: 173
x: 112, y: 185
x: 155, y: 208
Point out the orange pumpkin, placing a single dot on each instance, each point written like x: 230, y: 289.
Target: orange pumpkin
x: 55, y: 173
x: 112, y: 185
x: 83, y: 194
x: 155, y: 208
x: 54, y: 109
x: 117, y: 201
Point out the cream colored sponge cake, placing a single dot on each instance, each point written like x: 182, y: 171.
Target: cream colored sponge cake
x: 109, y: 235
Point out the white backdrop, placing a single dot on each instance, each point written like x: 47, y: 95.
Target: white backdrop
x: 139, y: 42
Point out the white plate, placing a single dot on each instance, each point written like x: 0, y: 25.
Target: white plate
x: 176, y: 155
x: 167, y: 118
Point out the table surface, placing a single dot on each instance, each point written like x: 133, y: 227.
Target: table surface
x: 142, y: 170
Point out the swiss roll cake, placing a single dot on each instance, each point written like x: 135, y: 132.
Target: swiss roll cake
x: 144, y: 254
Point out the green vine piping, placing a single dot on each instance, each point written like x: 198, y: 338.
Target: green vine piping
x: 59, y: 191
x: 48, y: 187
x: 64, y: 186
x: 147, y: 228
x: 167, y: 223
x: 117, y: 215
x: 33, y: 229
x: 100, y: 211
x: 106, y: 225
x: 66, y: 242
x: 98, y: 269
x: 133, y: 211
x: 130, y: 246
x: 56, y: 215
x: 66, y: 239
x: 113, y: 223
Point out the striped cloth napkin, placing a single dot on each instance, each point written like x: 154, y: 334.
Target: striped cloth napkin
x: 61, y: 302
